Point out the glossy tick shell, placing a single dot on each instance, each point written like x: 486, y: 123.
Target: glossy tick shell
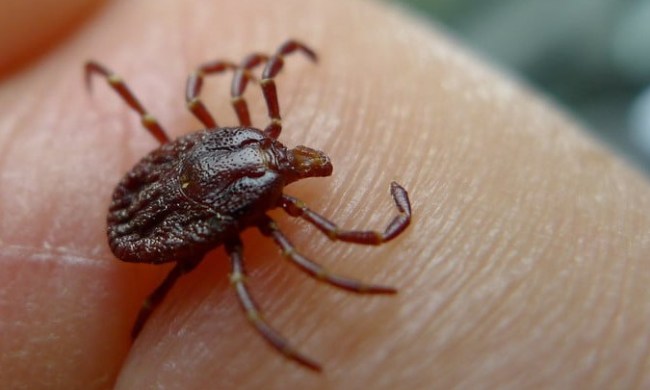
x: 198, y: 192
x: 188, y: 196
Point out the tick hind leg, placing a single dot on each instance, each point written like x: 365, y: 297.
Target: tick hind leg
x: 116, y: 82
x: 296, y: 208
x: 238, y: 280
x: 269, y: 228
x: 153, y: 300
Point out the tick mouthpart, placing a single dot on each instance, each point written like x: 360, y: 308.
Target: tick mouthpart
x: 307, y: 162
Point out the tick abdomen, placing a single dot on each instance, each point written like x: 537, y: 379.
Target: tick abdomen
x: 150, y: 219
x: 189, y: 194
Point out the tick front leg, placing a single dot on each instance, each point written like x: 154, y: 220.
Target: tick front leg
x: 318, y: 272
x: 238, y: 280
x: 193, y: 90
x: 240, y: 81
x: 297, y: 208
x: 116, y: 82
x: 272, y: 68
x: 160, y: 292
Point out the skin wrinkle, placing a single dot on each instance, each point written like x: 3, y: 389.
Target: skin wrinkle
x: 454, y: 297
x: 609, y: 333
x: 618, y: 316
x: 639, y: 380
x: 461, y: 285
x: 48, y: 254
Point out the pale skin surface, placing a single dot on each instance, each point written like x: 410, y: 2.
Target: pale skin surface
x: 526, y: 263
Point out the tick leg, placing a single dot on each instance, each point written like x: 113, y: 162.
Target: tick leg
x: 273, y: 67
x: 297, y: 208
x: 193, y: 89
x: 270, y: 228
x: 153, y: 300
x: 116, y: 82
x: 238, y: 280
x: 239, y: 82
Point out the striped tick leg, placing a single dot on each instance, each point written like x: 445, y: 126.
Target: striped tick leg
x: 296, y: 208
x: 240, y: 80
x: 153, y: 300
x: 116, y: 82
x: 238, y: 280
x: 272, y: 68
x: 268, y: 227
x: 193, y: 89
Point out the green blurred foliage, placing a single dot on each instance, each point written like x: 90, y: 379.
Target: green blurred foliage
x: 591, y: 55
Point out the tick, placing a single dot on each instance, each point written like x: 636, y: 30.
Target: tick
x: 200, y: 191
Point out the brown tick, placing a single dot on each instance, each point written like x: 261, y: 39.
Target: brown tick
x: 201, y: 190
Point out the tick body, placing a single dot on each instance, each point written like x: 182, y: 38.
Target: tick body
x: 200, y: 191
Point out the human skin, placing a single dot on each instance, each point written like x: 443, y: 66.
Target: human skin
x: 525, y: 265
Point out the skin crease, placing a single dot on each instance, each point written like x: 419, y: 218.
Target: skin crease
x: 525, y: 266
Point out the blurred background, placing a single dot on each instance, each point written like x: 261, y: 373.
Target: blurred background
x: 593, y: 56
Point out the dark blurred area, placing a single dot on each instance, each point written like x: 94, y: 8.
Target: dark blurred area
x: 593, y: 56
